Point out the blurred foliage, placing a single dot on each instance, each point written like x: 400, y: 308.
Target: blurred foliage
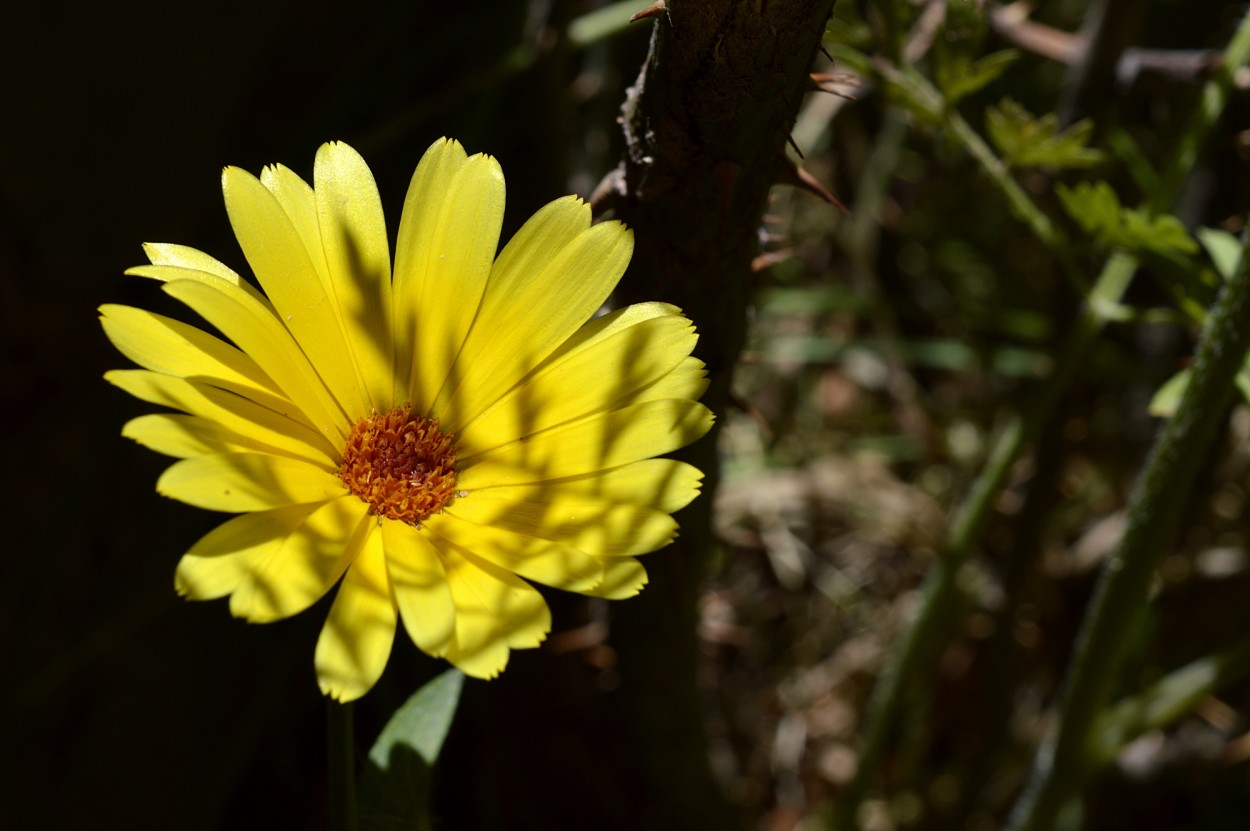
x: 1097, y: 209
x: 889, y: 351
x: 1025, y: 141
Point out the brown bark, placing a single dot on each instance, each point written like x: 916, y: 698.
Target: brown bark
x: 706, y: 126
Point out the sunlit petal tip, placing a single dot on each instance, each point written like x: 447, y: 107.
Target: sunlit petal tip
x: 343, y: 689
x: 231, y: 175
x: 334, y: 154
x: 332, y: 689
x: 485, y: 671
x: 183, y: 586
x: 626, y: 233
x: 486, y: 169
x: 443, y: 150
x: 623, y: 578
x: 484, y: 663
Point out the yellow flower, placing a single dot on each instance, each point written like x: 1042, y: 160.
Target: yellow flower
x: 425, y: 437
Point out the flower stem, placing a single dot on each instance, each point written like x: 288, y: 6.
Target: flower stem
x: 940, y: 591
x: 1153, y: 515
x: 1062, y: 762
x: 341, y: 765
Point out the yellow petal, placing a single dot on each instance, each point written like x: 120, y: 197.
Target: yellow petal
x: 255, y: 330
x: 182, y: 257
x: 623, y: 577
x: 170, y: 346
x: 300, y: 205
x: 186, y: 436
x: 300, y: 571
x: 687, y: 380
x: 601, y: 528
x: 585, y: 381
x: 420, y: 586
x: 356, y: 641
x: 443, y: 255
x: 615, y: 321
x: 348, y: 248
x: 219, y: 561
x: 552, y: 563
x: 353, y: 239
x: 664, y: 484
x: 282, y: 265
x: 236, y: 414
x: 238, y: 482
x: 604, y: 440
x: 548, y: 281
x: 495, y: 611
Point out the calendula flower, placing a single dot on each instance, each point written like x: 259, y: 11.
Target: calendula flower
x: 431, y: 437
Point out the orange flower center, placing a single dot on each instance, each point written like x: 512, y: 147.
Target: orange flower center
x: 402, y: 464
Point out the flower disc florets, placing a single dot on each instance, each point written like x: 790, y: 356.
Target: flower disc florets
x: 401, y: 464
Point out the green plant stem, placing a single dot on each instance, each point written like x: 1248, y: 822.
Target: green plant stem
x: 1154, y: 512
x: 940, y: 591
x: 926, y: 97
x: 341, y: 765
x: 1211, y: 105
x: 1062, y: 762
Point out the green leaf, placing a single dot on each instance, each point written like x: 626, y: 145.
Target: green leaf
x: 1097, y: 209
x: 1243, y: 383
x: 1223, y: 249
x: 1158, y: 233
x: 1168, y: 396
x: 1026, y: 141
x: 395, y: 782
x: 1166, y: 701
x: 958, y: 76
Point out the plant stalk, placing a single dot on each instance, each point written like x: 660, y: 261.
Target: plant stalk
x: 1154, y: 512
x: 341, y: 765
x: 940, y: 591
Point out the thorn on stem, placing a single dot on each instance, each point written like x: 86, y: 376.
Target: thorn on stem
x: 770, y: 258
x: 792, y: 174
x: 829, y: 82
x: 657, y: 9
